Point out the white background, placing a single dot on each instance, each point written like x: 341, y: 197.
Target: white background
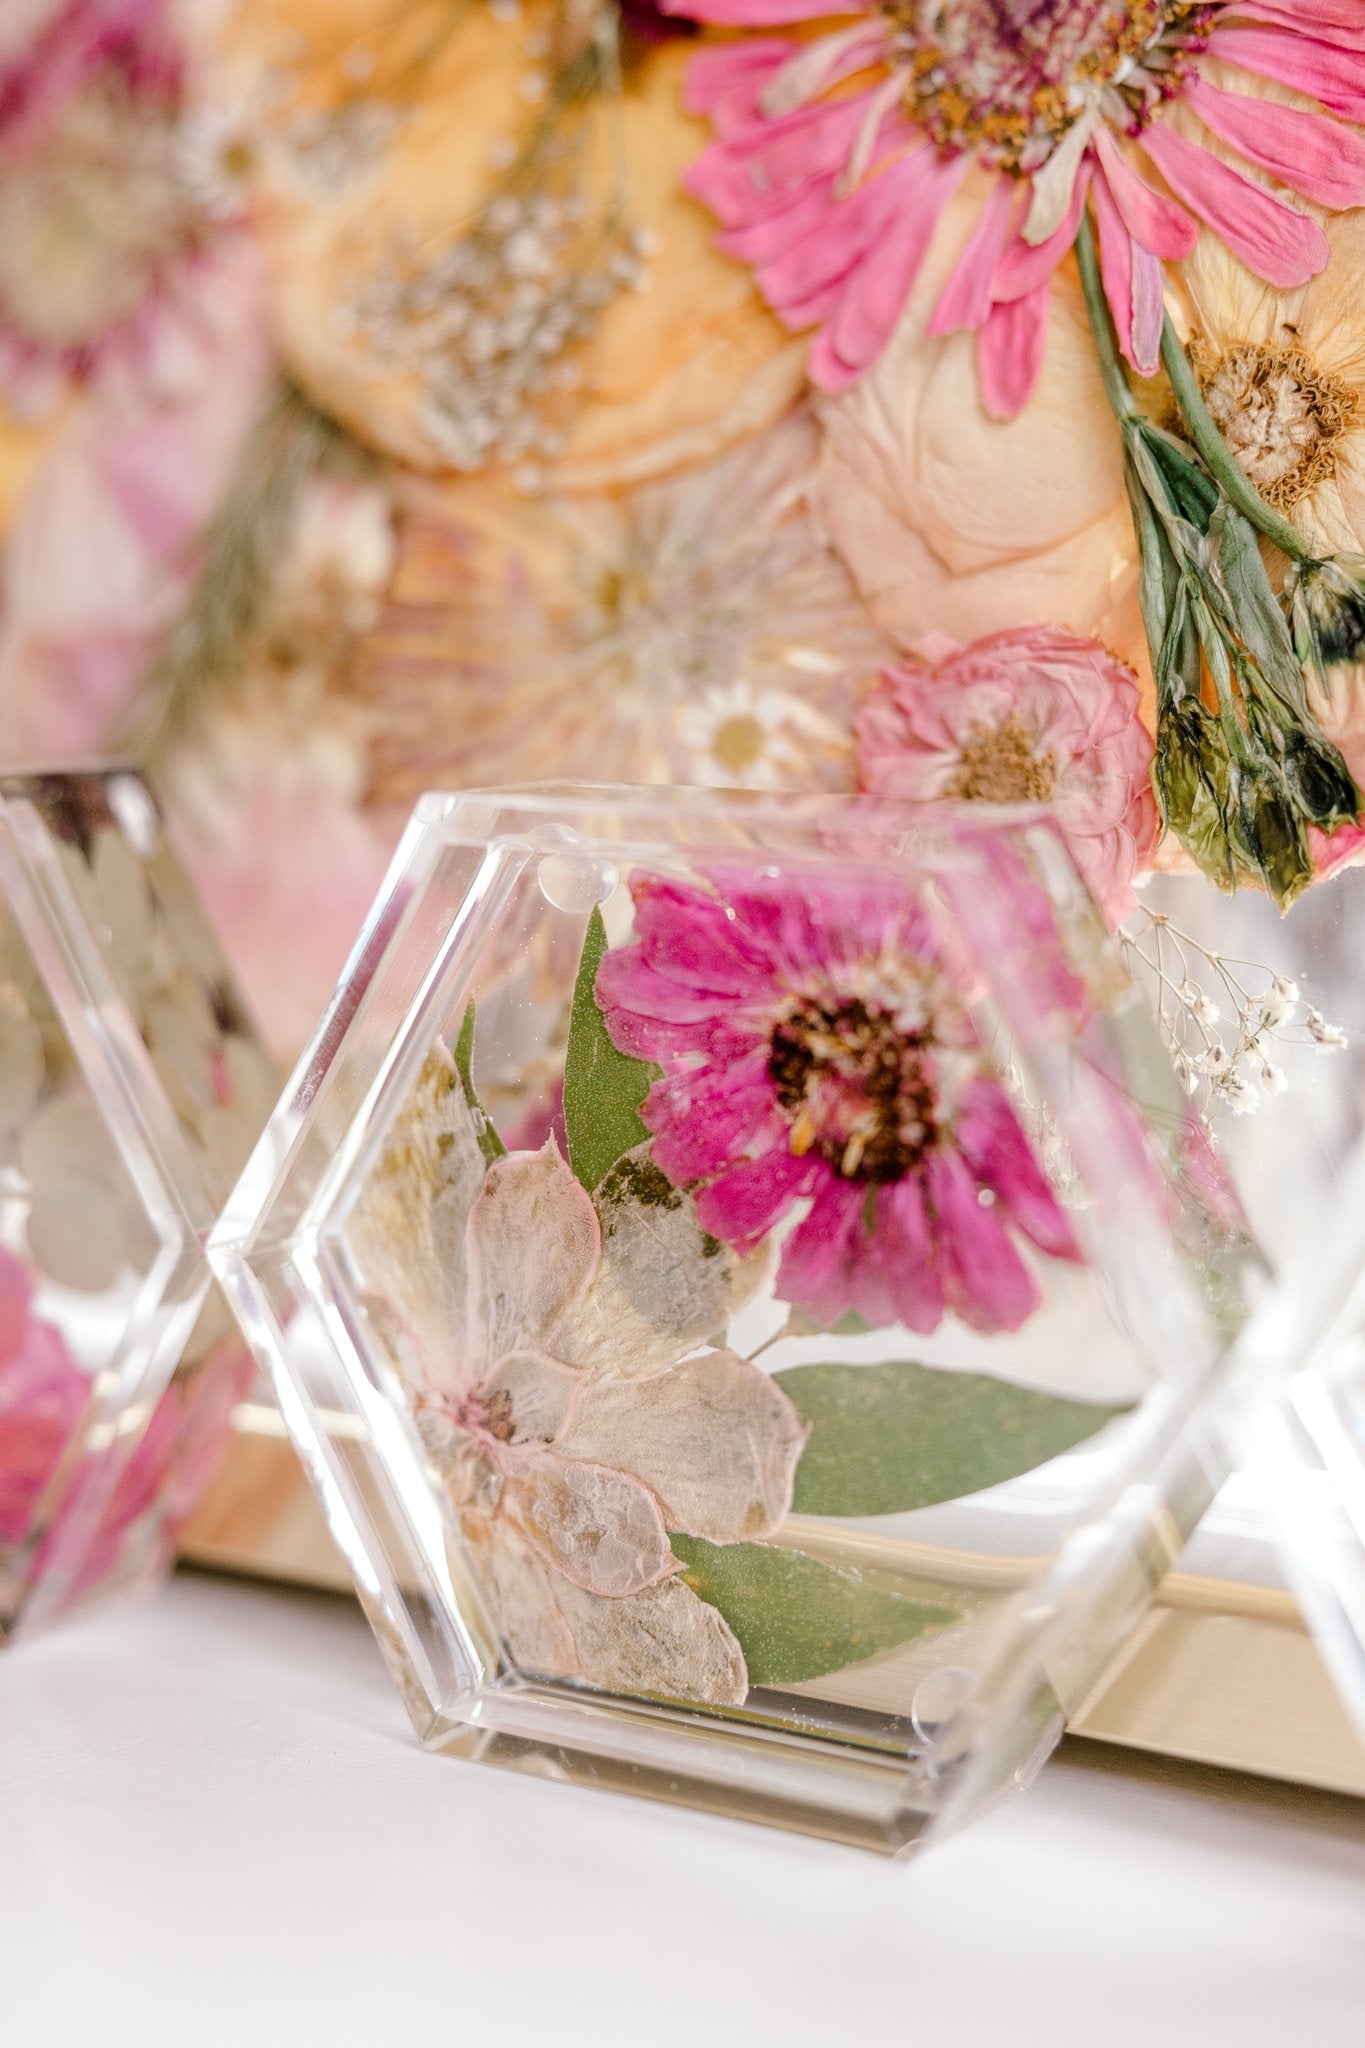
x: 216, y: 1831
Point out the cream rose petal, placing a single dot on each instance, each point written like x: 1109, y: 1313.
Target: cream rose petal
x: 533, y: 1246
x: 715, y: 1439
x: 664, y: 1641
x: 599, y: 1528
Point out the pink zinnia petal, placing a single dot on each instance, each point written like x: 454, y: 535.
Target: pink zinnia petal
x: 1334, y: 76
x: 723, y: 84
x: 871, y: 307
x: 1310, y: 153
x: 703, y: 1120
x: 686, y: 936
x: 1024, y: 266
x: 985, y: 1280
x: 992, y: 1141
x: 830, y: 1266
x: 965, y: 300
x: 1009, y: 352
x: 760, y: 242
x: 908, y: 1248
x: 1282, y: 246
x: 1118, y: 254
x: 1334, y: 21
x: 743, y: 1204
x: 1153, y: 220
x: 827, y: 252
x: 750, y: 13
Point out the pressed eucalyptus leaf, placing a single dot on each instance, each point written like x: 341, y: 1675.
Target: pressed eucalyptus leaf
x: 490, y: 1144
x: 888, y: 1438
x: 794, y: 1617
x: 603, y: 1088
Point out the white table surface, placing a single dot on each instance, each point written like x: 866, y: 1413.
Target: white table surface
x: 216, y: 1831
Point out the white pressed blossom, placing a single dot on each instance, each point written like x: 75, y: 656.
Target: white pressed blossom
x: 552, y: 1346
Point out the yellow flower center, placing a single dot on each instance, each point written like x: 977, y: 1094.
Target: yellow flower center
x: 1006, y: 79
x: 1281, y: 415
x: 738, y: 743
x: 1001, y: 765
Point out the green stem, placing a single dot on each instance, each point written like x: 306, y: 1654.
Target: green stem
x: 1116, y: 388
x: 1222, y: 464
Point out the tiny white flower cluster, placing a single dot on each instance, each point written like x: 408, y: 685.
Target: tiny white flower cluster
x: 490, y: 324
x: 1231, y: 1058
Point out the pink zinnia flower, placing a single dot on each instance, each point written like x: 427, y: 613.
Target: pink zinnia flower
x: 98, y: 223
x: 1033, y: 716
x: 836, y: 154
x: 43, y: 1393
x: 814, y: 1051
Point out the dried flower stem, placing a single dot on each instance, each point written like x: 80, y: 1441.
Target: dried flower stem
x: 241, y: 552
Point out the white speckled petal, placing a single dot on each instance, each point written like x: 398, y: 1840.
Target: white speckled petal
x: 599, y: 1528
x: 408, y: 1230
x: 664, y: 1642
x: 533, y: 1248
x: 714, y: 1438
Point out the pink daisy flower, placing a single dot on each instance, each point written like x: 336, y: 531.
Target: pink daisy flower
x: 97, y: 219
x: 1033, y: 716
x: 836, y: 153
x: 814, y: 1052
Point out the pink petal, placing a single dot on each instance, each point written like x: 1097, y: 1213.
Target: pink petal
x: 1009, y: 352
x: 824, y: 1270
x: 874, y: 300
x: 1025, y: 266
x: 703, y: 1120
x: 742, y: 1206
x: 686, y: 935
x: 828, y: 252
x: 1282, y: 246
x: 1310, y: 153
x: 1334, y: 21
x: 724, y: 83
x: 906, y: 1244
x: 1118, y: 267
x: 1336, y: 77
x: 966, y: 298
x: 762, y: 241
x: 985, y: 1280
x: 748, y: 13
x: 1153, y: 220
x: 993, y: 1142
x: 627, y: 981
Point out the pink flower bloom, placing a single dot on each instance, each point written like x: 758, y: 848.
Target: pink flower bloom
x: 1033, y: 716
x: 813, y: 1051
x: 836, y: 153
x: 99, y: 228
x: 43, y: 1394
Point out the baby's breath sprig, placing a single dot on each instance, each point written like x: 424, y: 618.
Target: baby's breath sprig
x: 1224, y: 1019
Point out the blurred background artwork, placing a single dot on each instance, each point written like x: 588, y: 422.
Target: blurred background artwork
x: 384, y: 410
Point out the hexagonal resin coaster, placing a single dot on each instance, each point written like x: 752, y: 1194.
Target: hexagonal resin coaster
x: 740, y: 1273
x: 131, y: 1089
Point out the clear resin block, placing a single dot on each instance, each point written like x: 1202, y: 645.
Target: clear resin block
x: 745, y: 1283
x: 131, y: 1089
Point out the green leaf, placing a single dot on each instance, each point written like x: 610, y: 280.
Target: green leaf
x: 888, y: 1438
x: 796, y: 1618
x: 490, y: 1144
x: 603, y: 1088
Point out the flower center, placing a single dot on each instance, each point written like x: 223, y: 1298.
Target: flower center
x: 1001, y: 765
x: 856, y: 1086
x: 1006, y: 79
x: 1281, y: 415
x: 739, y: 743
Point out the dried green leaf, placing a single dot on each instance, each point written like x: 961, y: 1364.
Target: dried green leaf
x: 603, y: 1088
x: 490, y: 1144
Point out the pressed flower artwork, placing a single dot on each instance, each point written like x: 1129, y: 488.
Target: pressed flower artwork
x: 716, y: 1254
x: 117, y: 1375
x: 775, y: 1117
